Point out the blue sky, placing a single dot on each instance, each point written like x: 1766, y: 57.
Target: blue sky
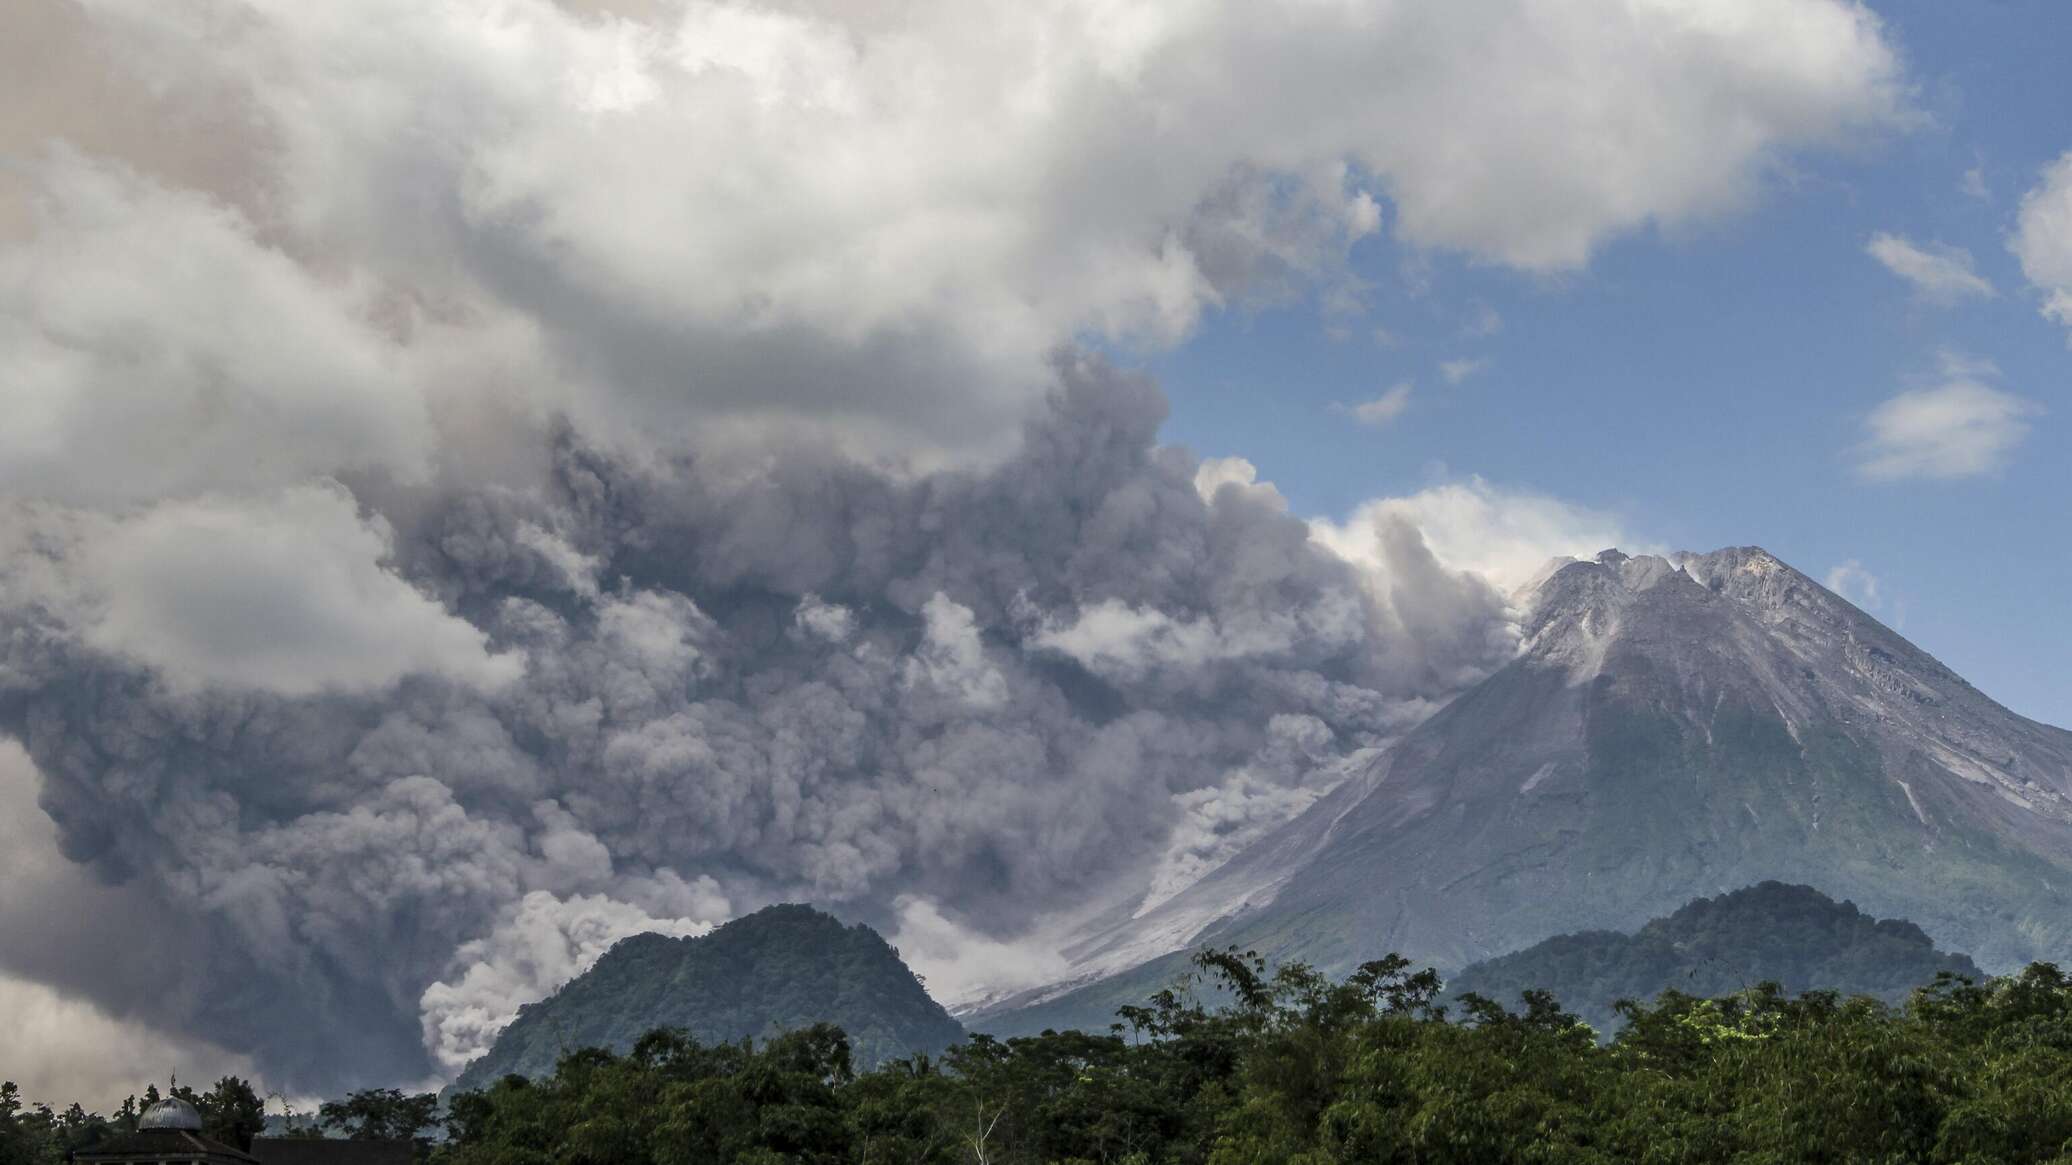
x: 1711, y: 386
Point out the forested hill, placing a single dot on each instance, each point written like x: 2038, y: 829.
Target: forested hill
x: 783, y: 968
x: 1793, y: 935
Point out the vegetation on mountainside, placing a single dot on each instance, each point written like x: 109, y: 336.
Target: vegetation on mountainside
x: 1794, y: 936
x: 1306, y: 1071
x: 780, y: 969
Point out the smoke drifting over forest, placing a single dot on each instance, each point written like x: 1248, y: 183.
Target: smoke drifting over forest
x: 485, y: 479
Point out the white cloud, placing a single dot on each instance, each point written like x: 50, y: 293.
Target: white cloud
x: 832, y: 622
x: 1455, y: 371
x: 286, y: 594
x: 1940, y: 274
x: 1113, y: 638
x: 151, y: 344
x: 1384, y: 408
x: 2043, y: 240
x: 1505, y: 536
x: 510, y: 163
x: 1961, y: 427
x: 541, y: 943
x: 1851, y: 581
x: 951, y: 659
x: 961, y: 966
x: 1216, y: 472
x: 1482, y: 323
x: 1973, y: 184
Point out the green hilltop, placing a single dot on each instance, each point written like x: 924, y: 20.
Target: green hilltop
x: 1793, y: 936
x: 783, y: 968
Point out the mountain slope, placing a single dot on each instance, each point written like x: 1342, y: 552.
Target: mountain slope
x: 781, y: 968
x: 1792, y: 935
x: 1671, y: 730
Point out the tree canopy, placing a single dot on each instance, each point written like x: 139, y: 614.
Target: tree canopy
x: 1301, y: 1069
x: 1291, y: 1066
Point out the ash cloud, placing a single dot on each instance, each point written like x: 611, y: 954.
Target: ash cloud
x: 1004, y: 689
x: 450, y: 522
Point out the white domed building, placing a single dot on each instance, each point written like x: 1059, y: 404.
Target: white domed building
x: 169, y: 1133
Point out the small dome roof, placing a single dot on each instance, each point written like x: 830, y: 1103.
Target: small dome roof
x: 171, y: 1113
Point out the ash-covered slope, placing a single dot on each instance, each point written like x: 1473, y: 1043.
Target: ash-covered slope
x: 779, y: 969
x: 1672, y: 729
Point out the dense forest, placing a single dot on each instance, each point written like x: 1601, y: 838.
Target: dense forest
x: 1772, y: 932
x: 1302, y: 1070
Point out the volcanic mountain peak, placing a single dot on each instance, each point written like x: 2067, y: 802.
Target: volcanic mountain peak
x: 1739, y: 626
x: 1749, y: 575
x: 1673, y: 727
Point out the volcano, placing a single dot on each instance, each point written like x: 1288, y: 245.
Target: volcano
x: 1673, y: 728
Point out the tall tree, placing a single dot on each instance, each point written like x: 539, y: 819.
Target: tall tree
x: 232, y: 1112
x: 381, y: 1114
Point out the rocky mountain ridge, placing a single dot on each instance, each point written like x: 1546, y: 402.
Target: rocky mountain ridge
x: 1672, y: 728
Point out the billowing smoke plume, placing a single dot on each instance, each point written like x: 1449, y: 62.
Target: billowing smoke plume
x: 484, y: 478
x: 689, y: 693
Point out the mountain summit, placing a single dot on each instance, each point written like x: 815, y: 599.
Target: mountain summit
x: 1793, y: 936
x: 781, y: 968
x: 1672, y: 728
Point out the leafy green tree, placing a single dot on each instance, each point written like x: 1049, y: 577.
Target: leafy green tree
x: 1239, y: 1063
x: 230, y: 1112
x: 381, y: 1114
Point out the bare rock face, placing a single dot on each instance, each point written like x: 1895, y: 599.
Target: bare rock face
x: 1672, y: 729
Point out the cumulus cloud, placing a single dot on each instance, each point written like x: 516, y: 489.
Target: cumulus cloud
x: 1938, y: 273
x: 1502, y: 535
x: 285, y: 594
x: 1384, y: 408
x: 1959, y: 427
x: 1455, y: 371
x: 2043, y: 239
x: 1217, y: 472
x: 951, y: 660
x: 484, y: 160
x: 152, y: 344
x: 431, y: 486
x: 1856, y: 584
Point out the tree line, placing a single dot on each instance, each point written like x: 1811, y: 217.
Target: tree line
x: 232, y: 1112
x: 1239, y: 1064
